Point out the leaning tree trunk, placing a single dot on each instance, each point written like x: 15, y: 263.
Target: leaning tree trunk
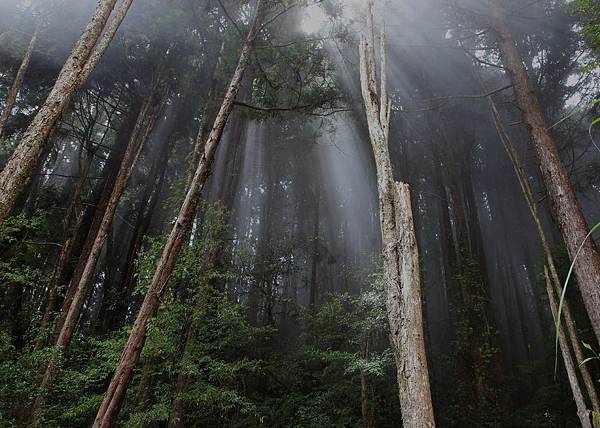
x: 132, y: 154
x: 100, y: 201
x: 582, y: 411
x: 400, y: 253
x: 565, y: 205
x: 555, y: 279
x: 114, y: 308
x: 69, y: 233
x: 109, y: 409
x: 84, y: 57
x: 16, y: 86
x: 69, y: 319
x: 183, y: 379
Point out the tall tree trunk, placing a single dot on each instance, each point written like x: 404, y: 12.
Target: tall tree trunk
x: 109, y: 409
x: 551, y: 265
x: 400, y: 253
x: 132, y: 154
x: 100, y: 202
x: 114, y: 308
x: 84, y: 57
x: 183, y: 379
x: 565, y: 206
x: 16, y: 86
x: 71, y: 316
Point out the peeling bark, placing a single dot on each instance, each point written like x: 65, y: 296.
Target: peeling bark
x: 400, y: 252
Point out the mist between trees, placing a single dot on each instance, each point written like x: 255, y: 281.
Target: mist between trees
x: 299, y: 213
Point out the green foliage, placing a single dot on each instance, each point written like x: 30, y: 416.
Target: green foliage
x: 24, y: 248
x: 297, y: 77
x: 316, y: 382
x: 557, y: 322
x: 595, y: 355
x: 551, y: 402
x: 589, y: 14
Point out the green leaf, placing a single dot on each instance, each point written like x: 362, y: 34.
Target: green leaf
x: 587, y: 360
x: 570, y: 115
x: 596, y: 419
x: 587, y: 346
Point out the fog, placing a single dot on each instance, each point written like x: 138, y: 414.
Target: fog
x: 299, y: 184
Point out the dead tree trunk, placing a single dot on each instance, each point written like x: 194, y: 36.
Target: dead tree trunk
x: 84, y: 57
x: 109, y: 409
x: 16, y: 86
x: 400, y: 253
x: 565, y: 205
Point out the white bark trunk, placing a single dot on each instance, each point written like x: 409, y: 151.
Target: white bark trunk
x: 400, y: 252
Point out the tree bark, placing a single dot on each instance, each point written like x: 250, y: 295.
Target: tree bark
x: 565, y: 205
x: 115, y: 307
x: 555, y: 279
x: 582, y: 411
x: 109, y: 409
x: 400, y: 253
x: 71, y: 315
x: 132, y: 154
x: 84, y: 57
x: 69, y: 233
x: 16, y: 86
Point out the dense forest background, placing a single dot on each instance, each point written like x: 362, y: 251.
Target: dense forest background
x: 274, y: 313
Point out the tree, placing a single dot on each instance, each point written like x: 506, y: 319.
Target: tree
x: 148, y: 114
x: 565, y: 205
x: 16, y: 86
x: 109, y: 409
x: 554, y: 287
x: 84, y: 57
x: 400, y: 253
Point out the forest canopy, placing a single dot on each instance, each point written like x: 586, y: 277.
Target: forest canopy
x: 299, y: 213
